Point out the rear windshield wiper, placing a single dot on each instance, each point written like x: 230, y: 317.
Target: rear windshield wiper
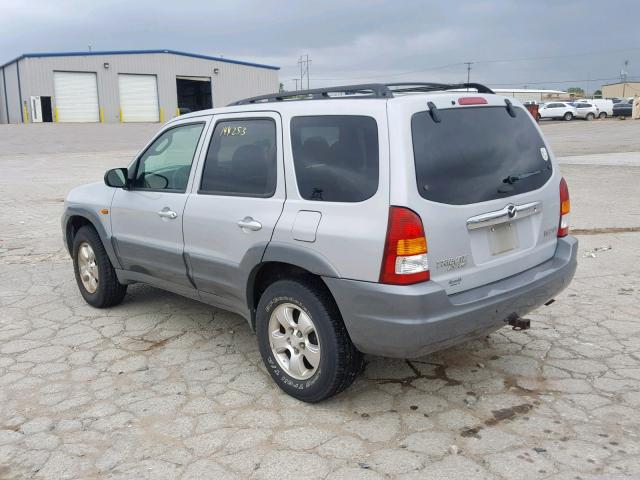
x: 511, y: 179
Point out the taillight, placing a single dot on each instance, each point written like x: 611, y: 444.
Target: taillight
x: 405, y: 250
x: 565, y: 208
x: 472, y: 101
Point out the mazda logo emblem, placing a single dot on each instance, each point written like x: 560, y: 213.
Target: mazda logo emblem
x: 511, y: 210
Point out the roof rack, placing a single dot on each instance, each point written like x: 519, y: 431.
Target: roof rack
x: 366, y: 90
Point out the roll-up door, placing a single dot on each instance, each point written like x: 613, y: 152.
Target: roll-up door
x: 76, y: 96
x: 138, y: 98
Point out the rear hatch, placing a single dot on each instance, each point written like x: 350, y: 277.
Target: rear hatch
x: 483, y: 181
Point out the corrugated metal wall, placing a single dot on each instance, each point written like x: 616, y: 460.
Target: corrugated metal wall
x: 13, y: 99
x: 233, y: 81
x: 3, y: 105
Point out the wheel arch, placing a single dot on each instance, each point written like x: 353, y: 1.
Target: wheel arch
x: 285, y: 261
x: 76, y: 218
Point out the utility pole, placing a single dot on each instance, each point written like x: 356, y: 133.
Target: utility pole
x: 623, y: 76
x: 296, y: 80
x: 468, y: 64
x: 304, y: 62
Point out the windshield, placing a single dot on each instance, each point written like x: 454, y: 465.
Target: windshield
x: 466, y: 156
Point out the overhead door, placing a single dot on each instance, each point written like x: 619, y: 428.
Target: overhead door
x: 138, y: 98
x: 76, y: 96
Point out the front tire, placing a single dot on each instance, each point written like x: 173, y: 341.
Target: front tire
x: 568, y: 116
x: 590, y: 116
x: 602, y: 115
x: 303, y: 341
x: 95, y: 276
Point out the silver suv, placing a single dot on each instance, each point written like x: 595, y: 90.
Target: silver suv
x: 389, y: 219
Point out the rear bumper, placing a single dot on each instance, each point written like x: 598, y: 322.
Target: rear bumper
x: 411, y: 321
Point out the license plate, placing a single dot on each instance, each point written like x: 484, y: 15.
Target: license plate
x: 503, y: 238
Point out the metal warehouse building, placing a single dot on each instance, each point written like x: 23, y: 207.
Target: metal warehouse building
x: 124, y: 86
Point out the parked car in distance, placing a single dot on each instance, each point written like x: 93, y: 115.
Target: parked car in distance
x: 586, y: 111
x: 396, y: 224
x: 557, y: 110
x: 605, y: 106
x: 623, y: 108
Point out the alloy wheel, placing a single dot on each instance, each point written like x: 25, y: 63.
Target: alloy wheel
x: 294, y: 341
x: 87, y: 267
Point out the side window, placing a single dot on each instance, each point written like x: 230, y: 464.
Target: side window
x: 241, y: 159
x: 166, y: 164
x: 335, y: 157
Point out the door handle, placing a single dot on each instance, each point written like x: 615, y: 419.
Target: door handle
x: 166, y: 213
x: 250, y: 224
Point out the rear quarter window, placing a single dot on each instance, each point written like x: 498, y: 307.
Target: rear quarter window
x: 335, y: 157
x: 473, y: 154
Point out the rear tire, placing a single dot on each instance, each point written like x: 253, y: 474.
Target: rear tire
x: 330, y: 362
x: 590, y: 116
x: 95, y: 276
x: 602, y: 115
x: 568, y: 116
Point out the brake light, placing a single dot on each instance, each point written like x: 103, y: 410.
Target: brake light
x: 405, y: 251
x: 565, y: 208
x: 472, y: 101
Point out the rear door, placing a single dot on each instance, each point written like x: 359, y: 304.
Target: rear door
x: 484, y: 184
x: 234, y: 206
x: 583, y: 109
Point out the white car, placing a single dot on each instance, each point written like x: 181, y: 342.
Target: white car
x: 605, y: 106
x: 557, y: 110
x: 585, y: 110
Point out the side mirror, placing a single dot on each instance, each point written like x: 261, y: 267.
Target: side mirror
x: 116, y: 178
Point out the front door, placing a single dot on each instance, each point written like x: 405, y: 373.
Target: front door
x: 47, y: 114
x: 237, y: 200
x: 147, y: 218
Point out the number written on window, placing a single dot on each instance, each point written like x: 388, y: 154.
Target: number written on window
x: 237, y: 131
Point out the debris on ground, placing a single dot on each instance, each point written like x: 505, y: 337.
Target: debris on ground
x: 592, y: 253
x: 453, y: 449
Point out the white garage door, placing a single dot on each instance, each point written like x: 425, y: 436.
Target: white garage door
x: 76, y: 96
x: 139, y: 98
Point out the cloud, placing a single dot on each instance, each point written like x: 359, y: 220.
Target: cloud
x: 351, y: 40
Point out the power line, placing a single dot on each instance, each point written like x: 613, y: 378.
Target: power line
x: 459, y: 64
x: 551, y: 57
x: 555, y: 81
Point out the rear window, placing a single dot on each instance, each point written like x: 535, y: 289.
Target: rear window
x: 335, y: 157
x: 477, y: 154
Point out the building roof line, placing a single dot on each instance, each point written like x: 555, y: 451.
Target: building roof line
x: 138, y: 52
x: 526, y: 90
x: 621, y: 83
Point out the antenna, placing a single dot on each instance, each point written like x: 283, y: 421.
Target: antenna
x: 89, y: 47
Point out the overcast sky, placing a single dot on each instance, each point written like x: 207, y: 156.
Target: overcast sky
x: 538, y: 43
